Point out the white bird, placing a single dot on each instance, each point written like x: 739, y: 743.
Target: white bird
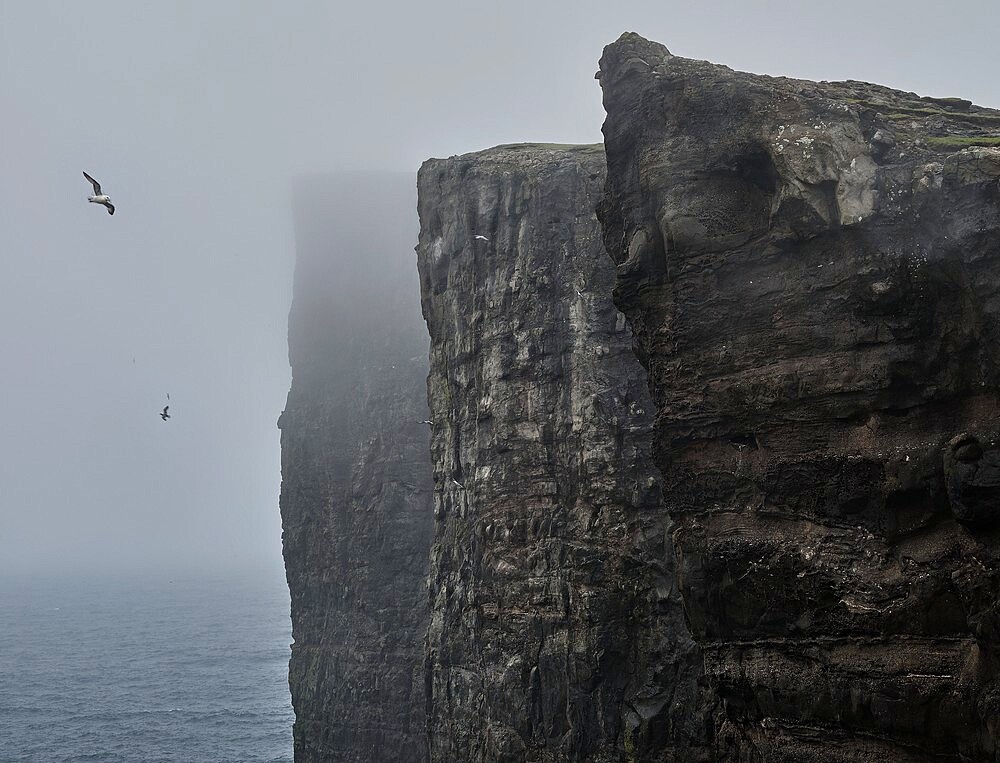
x: 458, y: 483
x: 482, y: 238
x: 98, y: 197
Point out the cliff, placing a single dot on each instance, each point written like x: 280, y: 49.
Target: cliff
x: 812, y: 273
x: 356, y: 477
x: 754, y: 516
x: 556, y: 632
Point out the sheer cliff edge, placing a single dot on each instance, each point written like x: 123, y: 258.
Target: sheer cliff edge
x: 556, y: 632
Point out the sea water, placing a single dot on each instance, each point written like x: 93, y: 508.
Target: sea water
x: 147, y: 669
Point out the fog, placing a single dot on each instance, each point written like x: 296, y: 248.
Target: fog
x: 196, y: 117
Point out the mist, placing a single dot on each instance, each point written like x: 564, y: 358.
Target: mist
x: 197, y: 118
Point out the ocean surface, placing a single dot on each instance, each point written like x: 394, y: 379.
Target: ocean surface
x: 145, y: 670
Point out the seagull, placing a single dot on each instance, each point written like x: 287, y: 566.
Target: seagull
x: 163, y: 414
x: 98, y: 197
x: 482, y: 238
x: 428, y: 422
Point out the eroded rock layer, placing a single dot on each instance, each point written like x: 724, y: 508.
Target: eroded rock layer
x: 356, y: 491
x: 812, y: 272
x: 556, y: 632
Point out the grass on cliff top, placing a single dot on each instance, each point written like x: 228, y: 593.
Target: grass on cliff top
x: 958, y: 103
x: 588, y: 147
x: 898, y: 112
x: 959, y: 142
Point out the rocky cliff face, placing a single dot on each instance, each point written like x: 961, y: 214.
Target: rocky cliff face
x: 556, y: 633
x: 812, y: 272
x: 356, y: 503
x: 757, y: 521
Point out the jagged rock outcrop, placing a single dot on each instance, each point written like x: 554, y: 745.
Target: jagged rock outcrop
x: 556, y: 632
x: 356, y: 491
x: 812, y: 272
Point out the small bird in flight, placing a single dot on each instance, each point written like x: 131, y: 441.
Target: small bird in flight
x: 482, y: 238
x: 98, y: 197
x: 163, y: 414
x: 428, y: 422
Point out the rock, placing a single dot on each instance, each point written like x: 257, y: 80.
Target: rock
x: 556, y: 630
x: 882, y: 142
x: 972, y: 473
x: 356, y: 476
x: 954, y: 104
x: 817, y: 306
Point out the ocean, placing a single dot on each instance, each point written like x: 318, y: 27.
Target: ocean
x: 145, y: 670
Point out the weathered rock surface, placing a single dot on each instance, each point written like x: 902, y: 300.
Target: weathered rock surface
x: 556, y: 631
x: 812, y: 272
x: 356, y: 493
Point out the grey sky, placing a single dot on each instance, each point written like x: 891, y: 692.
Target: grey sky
x: 195, y: 116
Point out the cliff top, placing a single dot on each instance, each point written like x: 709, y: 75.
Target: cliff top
x: 927, y: 125
x: 521, y: 156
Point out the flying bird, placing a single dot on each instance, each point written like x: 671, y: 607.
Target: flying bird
x: 163, y: 414
x: 481, y: 238
x: 426, y: 421
x: 98, y: 197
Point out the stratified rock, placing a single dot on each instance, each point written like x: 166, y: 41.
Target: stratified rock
x: 556, y: 632
x: 812, y: 271
x: 356, y: 492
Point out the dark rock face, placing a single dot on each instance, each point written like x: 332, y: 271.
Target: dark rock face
x: 812, y: 272
x: 556, y: 631
x: 356, y: 493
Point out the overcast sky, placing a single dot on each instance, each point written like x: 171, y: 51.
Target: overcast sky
x: 196, y: 116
